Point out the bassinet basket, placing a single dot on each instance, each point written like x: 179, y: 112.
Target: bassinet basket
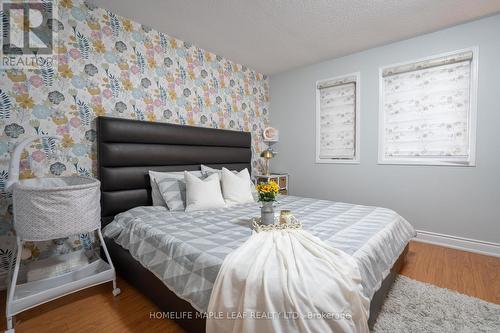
x: 49, y: 208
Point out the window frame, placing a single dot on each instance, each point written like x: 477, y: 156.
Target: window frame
x: 429, y: 161
x: 357, y: 125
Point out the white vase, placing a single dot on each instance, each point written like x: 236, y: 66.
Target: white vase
x: 267, y: 213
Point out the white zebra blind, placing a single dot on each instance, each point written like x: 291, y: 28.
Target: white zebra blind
x: 426, y: 109
x: 337, y: 119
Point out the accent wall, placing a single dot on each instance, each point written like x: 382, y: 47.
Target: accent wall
x: 109, y: 65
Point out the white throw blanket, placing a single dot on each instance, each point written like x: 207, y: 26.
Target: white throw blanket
x: 287, y: 281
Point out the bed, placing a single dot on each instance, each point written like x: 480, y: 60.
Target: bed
x: 128, y: 149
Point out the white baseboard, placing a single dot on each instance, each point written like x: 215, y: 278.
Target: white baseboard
x: 459, y: 243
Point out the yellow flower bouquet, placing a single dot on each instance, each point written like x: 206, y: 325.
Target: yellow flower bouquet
x: 268, y: 191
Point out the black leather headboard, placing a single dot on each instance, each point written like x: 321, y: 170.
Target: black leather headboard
x: 128, y: 149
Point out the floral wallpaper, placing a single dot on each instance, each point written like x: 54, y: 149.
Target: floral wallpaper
x: 109, y: 65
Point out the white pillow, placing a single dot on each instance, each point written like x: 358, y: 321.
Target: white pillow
x: 156, y: 177
x: 236, y: 188
x: 203, y: 194
x: 206, y: 170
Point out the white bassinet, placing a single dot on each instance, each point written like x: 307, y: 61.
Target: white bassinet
x: 51, y: 208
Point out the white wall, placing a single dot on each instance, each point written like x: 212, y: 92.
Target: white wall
x: 459, y: 201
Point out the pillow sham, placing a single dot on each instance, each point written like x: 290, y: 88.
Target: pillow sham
x: 172, y: 189
x: 206, y: 170
x: 203, y: 194
x: 236, y: 187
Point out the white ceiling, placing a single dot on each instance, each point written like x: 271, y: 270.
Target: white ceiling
x: 272, y: 36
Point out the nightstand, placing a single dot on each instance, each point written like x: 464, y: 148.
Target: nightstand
x: 280, y: 178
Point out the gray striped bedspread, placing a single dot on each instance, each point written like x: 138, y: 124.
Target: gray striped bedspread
x: 186, y: 250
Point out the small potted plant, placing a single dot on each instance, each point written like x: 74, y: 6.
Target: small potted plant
x: 267, y: 195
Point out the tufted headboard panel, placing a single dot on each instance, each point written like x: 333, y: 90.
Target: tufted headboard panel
x: 128, y: 149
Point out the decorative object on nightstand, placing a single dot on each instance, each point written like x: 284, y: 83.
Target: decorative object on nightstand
x: 271, y: 136
x: 267, y: 155
x: 267, y: 196
x: 280, y: 178
x: 47, y: 209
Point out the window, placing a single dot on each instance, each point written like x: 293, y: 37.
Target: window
x: 428, y: 111
x: 337, y: 120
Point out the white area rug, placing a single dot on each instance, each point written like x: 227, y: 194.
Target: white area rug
x: 413, y: 306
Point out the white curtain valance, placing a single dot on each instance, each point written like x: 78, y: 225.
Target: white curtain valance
x: 429, y: 63
x: 336, y: 82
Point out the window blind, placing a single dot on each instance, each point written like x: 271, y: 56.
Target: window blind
x: 337, y: 119
x: 426, y: 108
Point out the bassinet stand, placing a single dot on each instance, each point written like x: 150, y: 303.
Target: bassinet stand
x: 30, y: 226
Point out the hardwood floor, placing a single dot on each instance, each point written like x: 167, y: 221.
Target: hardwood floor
x: 96, y: 310
x: 93, y: 310
x: 469, y: 273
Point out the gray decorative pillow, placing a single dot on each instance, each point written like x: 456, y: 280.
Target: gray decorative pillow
x: 155, y: 192
x: 171, y: 188
x: 173, y: 191
x: 207, y: 171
